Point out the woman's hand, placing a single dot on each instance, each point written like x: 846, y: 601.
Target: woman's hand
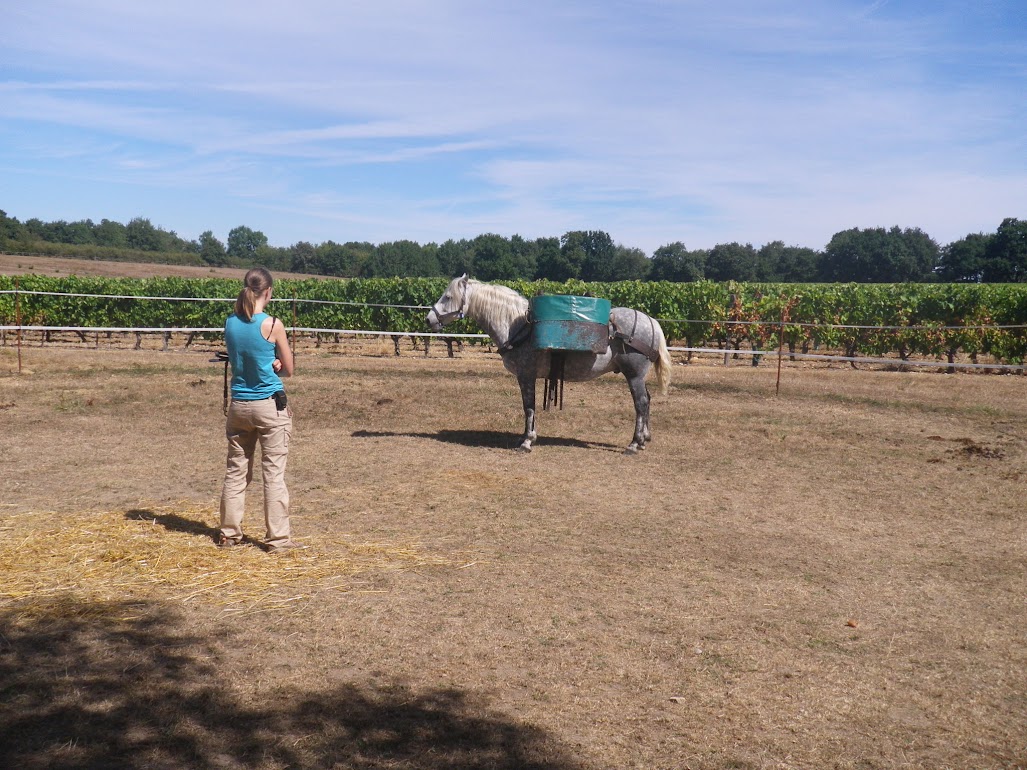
x: 276, y: 365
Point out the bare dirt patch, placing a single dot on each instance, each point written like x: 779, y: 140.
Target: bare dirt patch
x: 833, y: 577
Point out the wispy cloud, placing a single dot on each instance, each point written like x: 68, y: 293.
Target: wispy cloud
x: 742, y: 120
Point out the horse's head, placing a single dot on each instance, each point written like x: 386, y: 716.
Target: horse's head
x: 452, y: 304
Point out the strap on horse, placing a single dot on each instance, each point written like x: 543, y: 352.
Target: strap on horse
x: 648, y: 349
x: 553, y: 388
x: 519, y: 337
x: 218, y: 357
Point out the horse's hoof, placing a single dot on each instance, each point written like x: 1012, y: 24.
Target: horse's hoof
x: 523, y: 449
x: 631, y: 450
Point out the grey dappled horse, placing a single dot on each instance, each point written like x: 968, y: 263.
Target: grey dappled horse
x: 503, y: 314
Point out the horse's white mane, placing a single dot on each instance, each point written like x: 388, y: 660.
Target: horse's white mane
x: 495, y: 307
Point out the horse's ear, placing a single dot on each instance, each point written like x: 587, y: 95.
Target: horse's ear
x: 463, y: 278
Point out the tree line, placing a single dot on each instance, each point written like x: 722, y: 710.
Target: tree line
x: 872, y: 255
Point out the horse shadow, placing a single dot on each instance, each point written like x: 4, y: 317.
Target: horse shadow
x: 488, y: 439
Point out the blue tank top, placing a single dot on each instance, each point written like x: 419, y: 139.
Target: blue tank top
x: 251, y: 356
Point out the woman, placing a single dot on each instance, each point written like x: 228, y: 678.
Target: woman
x: 258, y: 350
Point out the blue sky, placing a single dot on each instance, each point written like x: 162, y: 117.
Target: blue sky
x: 655, y: 121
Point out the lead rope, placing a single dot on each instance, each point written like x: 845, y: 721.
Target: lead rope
x: 218, y: 357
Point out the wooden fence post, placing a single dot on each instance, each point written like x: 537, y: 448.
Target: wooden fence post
x: 17, y: 318
x: 294, y: 323
x: 785, y: 317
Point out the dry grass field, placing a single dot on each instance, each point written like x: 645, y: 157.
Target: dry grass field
x: 833, y: 577
x: 28, y: 264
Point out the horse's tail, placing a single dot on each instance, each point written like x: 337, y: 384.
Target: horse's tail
x: 663, y: 363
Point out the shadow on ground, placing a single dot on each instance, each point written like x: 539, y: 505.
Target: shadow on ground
x: 89, y: 686
x: 486, y: 438
x: 173, y: 522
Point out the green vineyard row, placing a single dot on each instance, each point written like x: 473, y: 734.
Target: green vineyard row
x: 698, y: 314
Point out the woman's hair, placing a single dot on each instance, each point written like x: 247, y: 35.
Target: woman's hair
x: 257, y: 281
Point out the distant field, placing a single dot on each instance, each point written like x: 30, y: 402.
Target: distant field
x: 15, y: 264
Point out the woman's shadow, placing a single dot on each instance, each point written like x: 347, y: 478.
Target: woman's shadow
x: 172, y: 522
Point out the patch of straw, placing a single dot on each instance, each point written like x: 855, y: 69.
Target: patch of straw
x: 168, y: 554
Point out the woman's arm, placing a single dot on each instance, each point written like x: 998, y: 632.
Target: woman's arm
x: 282, y: 350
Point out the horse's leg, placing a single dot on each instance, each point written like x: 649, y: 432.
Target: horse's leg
x: 640, y: 395
x: 527, y: 383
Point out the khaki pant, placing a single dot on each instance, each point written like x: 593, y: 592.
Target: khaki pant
x: 250, y: 422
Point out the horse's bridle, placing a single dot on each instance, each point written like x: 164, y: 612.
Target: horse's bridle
x: 445, y: 318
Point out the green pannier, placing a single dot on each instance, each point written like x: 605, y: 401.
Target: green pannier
x: 566, y: 322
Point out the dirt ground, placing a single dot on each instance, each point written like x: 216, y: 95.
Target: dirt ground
x: 833, y: 577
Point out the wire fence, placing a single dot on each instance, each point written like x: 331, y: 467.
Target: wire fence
x: 727, y: 352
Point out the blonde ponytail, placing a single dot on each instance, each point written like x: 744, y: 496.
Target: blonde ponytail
x: 257, y: 281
